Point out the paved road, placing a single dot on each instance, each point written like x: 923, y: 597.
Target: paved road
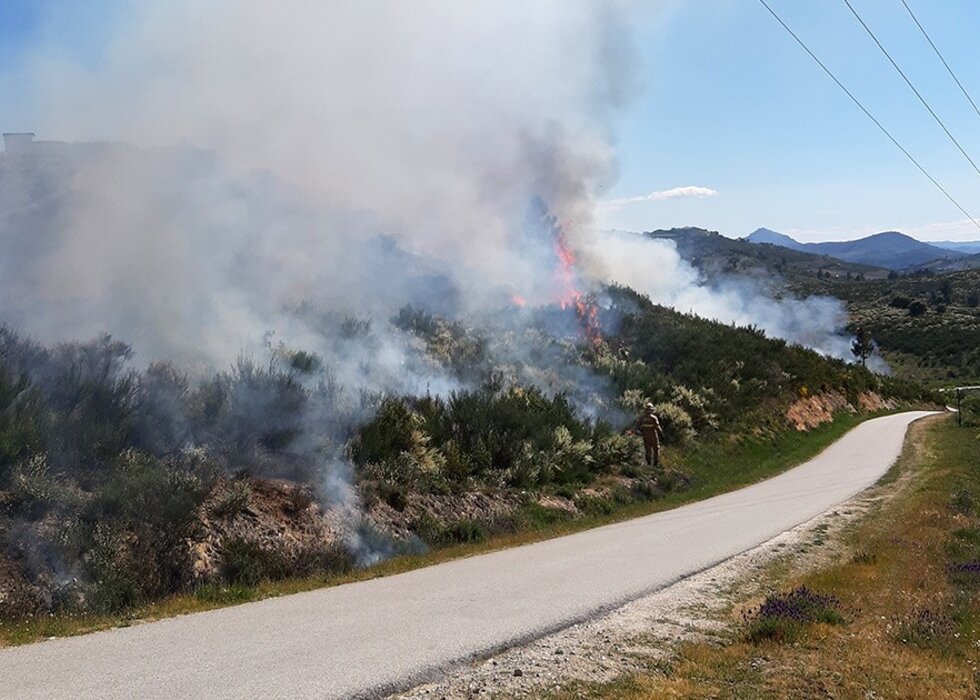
x: 364, y: 638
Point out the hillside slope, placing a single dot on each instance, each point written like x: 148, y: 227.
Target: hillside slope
x: 713, y: 253
x: 891, y: 250
x: 120, y: 486
x: 927, y: 326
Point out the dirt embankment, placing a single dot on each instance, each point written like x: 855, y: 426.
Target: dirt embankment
x: 282, y: 529
x: 810, y: 412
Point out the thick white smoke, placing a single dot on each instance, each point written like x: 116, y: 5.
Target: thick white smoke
x: 326, y: 123
x: 655, y: 268
x: 297, y: 163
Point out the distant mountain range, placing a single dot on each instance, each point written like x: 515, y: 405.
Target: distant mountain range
x: 968, y: 247
x: 716, y: 255
x: 891, y: 250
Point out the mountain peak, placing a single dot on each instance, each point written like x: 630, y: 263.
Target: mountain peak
x: 889, y: 249
x: 765, y: 235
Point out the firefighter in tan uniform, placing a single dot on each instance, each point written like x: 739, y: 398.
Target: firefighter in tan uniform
x: 648, y: 426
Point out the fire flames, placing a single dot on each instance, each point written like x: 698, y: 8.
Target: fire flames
x: 566, y: 289
x: 571, y: 297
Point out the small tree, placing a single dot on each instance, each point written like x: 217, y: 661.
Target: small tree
x: 862, y: 346
x: 917, y: 308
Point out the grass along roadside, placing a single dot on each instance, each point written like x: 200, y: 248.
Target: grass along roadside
x: 905, y: 619
x: 713, y: 467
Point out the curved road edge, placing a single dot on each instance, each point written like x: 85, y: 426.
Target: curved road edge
x: 371, y: 637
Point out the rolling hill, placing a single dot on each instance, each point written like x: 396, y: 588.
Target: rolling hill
x: 713, y: 254
x: 968, y: 247
x: 891, y: 250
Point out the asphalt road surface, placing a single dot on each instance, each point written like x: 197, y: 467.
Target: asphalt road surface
x: 366, y: 638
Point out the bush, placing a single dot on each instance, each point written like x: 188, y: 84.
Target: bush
x: 91, y: 398
x: 783, y: 617
x: 917, y: 308
x: 245, y: 563
x: 161, y: 423
x: 676, y: 423
x: 437, y: 534
x: 515, y: 436
x: 133, y: 531
x: 233, y: 499
x: 32, y: 486
x: 923, y: 628
x: 21, y: 421
x: 696, y: 405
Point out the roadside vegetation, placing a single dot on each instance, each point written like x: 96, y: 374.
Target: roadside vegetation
x: 899, y: 618
x: 925, y: 323
x: 120, y: 488
x: 254, y: 575
x: 927, y: 326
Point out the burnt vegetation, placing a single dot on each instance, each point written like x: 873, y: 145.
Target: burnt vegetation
x: 109, y: 475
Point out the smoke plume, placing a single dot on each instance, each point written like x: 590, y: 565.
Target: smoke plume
x: 654, y: 268
x: 298, y: 174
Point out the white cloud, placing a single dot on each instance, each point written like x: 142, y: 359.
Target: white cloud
x: 963, y: 230
x: 686, y: 192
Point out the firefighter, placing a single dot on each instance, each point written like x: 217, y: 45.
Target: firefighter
x: 648, y: 426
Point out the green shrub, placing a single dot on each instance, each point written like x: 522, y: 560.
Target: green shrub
x: 224, y: 595
x: 91, y: 400
x: 677, y: 425
x: 696, y: 405
x: 923, y: 628
x: 21, y: 422
x: 437, y: 534
x: 132, y: 532
x: 33, y: 488
x: 233, y: 499
x: 245, y: 563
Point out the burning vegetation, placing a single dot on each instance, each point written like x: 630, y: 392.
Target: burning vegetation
x: 572, y: 297
x: 340, y: 328
x: 119, y: 486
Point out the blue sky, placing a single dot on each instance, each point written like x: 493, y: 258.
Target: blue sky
x: 727, y: 102
x: 731, y: 103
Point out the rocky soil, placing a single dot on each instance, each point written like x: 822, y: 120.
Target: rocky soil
x: 809, y: 412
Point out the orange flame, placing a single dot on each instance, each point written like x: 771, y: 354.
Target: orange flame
x: 570, y: 297
x: 518, y: 300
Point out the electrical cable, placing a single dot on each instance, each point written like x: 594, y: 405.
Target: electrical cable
x: 941, y: 58
x: 909, y: 83
x: 870, y: 116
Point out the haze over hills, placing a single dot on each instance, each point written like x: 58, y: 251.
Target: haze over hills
x: 889, y: 249
x: 969, y: 247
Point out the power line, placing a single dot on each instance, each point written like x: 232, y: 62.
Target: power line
x: 909, y: 83
x: 869, y: 115
x: 941, y: 58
